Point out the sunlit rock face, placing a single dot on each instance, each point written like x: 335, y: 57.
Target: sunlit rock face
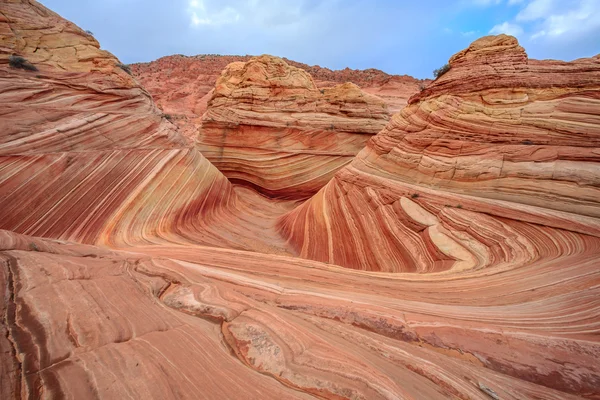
x: 132, y: 268
x: 270, y: 127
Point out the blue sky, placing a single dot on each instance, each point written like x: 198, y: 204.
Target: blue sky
x: 401, y: 37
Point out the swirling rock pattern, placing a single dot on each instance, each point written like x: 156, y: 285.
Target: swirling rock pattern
x: 267, y: 125
x: 86, y: 155
x: 452, y: 279
x: 301, y: 150
x: 497, y: 148
x: 152, y: 327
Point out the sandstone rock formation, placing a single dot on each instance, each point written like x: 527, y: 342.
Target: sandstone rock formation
x: 394, y: 90
x: 176, y: 327
x: 491, y: 172
x: 138, y: 284
x: 182, y: 86
x: 267, y: 125
x: 498, y: 136
x: 86, y: 156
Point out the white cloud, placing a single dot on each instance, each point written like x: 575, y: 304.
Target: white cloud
x: 507, y: 28
x: 201, y: 15
x: 566, y: 19
x: 256, y: 13
x: 536, y: 9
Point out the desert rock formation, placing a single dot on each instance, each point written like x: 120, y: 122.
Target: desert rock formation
x: 267, y: 125
x: 175, y: 327
x: 87, y: 156
x: 182, y: 86
x: 498, y: 136
x: 460, y: 247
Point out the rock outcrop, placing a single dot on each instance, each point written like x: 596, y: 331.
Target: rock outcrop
x: 182, y: 86
x: 269, y: 126
x: 490, y: 173
x: 498, y: 139
x: 86, y: 155
x: 172, y: 306
x: 172, y: 328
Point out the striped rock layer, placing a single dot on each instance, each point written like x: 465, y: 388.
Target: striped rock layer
x: 268, y: 126
x: 197, y: 322
x: 125, y: 270
x: 477, y: 171
x: 86, y: 156
x: 182, y: 85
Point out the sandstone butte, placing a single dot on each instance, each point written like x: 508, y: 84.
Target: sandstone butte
x: 268, y: 126
x: 181, y: 86
x: 455, y: 257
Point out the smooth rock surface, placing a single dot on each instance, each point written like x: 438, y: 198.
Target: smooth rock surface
x: 453, y: 278
x: 85, y: 155
x: 208, y: 323
x: 503, y: 151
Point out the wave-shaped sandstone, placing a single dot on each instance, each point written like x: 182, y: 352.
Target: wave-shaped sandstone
x: 174, y: 324
x: 455, y: 257
x: 510, y: 151
x: 86, y: 155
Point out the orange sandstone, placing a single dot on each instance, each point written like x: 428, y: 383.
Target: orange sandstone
x: 188, y: 286
x: 267, y: 125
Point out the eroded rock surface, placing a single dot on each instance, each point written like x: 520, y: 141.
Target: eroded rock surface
x: 500, y: 149
x: 86, y: 155
x: 181, y: 85
x: 269, y: 126
x: 223, y: 323
x: 172, y: 306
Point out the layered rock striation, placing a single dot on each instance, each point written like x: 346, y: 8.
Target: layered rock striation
x: 270, y: 127
x: 503, y: 303
x: 490, y: 173
x: 87, y: 156
x: 515, y: 146
x: 189, y: 322
x: 181, y: 85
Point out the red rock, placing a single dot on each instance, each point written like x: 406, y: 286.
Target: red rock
x: 498, y: 136
x: 505, y: 304
x: 182, y: 86
x: 166, y: 326
x: 86, y: 155
x: 267, y: 125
